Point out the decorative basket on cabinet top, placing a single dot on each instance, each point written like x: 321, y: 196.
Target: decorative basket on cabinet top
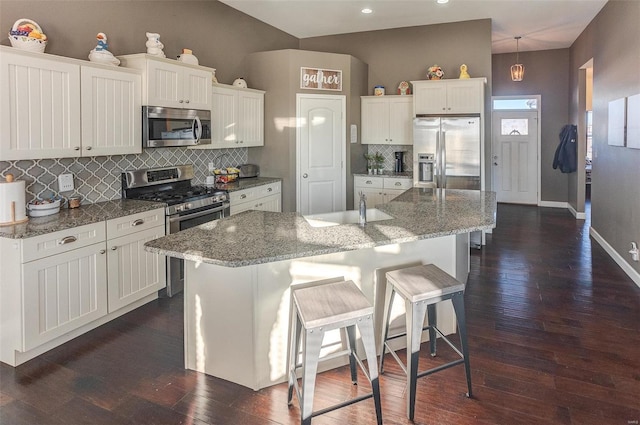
x: 27, y: 35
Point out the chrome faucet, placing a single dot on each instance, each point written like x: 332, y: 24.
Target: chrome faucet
x: 363, y: 210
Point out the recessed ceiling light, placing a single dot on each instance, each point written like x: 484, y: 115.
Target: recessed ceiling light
x: 366, y: 10
x: 442, y: 1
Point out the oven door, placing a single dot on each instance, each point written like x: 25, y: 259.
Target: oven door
x: 176, y: 223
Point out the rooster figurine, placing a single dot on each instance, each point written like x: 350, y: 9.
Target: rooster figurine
x: 100, y: 54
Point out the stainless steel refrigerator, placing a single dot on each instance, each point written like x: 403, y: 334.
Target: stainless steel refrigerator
x: 446, y: 152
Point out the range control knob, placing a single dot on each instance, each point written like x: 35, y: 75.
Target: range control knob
x: 179, y: 208
x: 188, y: 206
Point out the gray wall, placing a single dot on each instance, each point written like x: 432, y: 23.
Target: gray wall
x: 612, y: 39
x: 278, y: 72
x: 219, y: 36
x: 546, y: 74
x: 404, y: 54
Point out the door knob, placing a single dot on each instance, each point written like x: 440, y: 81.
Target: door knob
x: 305, y: 175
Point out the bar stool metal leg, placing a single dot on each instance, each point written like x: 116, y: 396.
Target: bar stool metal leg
x: 432, y: 318
x: 414, y: 319
x: 312, y: 344
x: 368, y: 339
x: 458, y: 306
x: 390, y: 294
x: 351, y: 340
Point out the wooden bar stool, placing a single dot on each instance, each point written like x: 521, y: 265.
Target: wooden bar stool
x: 316, y: 308
x: 422, y: 287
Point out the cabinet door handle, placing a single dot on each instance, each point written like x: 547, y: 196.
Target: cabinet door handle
x: 368, y: 182
x: 88, y: 148
x: 138, y: 222
x: 67, y: 239
x: 77, y: 148
x: 113, y: 248
x: 102, y: 251
x: 243, y: 196
x: 186, y: 101
x: 398, y: 184
x: 270, y: 189
x: 181, y: 101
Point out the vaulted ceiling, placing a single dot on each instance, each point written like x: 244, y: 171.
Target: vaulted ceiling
x: 542, y: 24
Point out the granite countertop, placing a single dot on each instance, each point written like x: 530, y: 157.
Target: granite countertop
x: 256, y: 237
x: 69, y: 218
x: 403, y: 175
x: 241, y: 184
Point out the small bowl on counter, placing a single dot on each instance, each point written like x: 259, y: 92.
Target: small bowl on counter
x: 44, y: 207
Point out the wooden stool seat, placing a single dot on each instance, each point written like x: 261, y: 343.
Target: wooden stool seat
x: 422, y: 287
x: 318, y: 307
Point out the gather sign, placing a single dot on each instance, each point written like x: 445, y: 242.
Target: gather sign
x: 320, y: 79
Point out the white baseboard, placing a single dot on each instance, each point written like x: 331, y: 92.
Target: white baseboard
x: 553, y: 204
x: 624, y: 265
x: 576, y: 214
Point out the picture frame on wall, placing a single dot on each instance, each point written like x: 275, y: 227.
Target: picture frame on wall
x: 633, y: 121
x: 617, y: 122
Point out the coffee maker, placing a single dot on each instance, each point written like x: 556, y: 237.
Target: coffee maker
x: 399, y: 164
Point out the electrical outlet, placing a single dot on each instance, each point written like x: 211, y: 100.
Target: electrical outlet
x: 211, y: 167
x: 65, y: 182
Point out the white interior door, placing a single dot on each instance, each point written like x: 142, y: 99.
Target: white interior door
x: 321, y: 180
x: 515, y: 156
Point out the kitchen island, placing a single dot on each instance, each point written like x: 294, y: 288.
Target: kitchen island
x: 240, y: 269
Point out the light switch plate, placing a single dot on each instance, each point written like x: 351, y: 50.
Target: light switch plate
x: 65, y: 182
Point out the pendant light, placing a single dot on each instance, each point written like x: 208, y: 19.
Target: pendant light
x: 517, y: 70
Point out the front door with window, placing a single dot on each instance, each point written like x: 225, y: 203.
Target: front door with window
x: 514, y: 156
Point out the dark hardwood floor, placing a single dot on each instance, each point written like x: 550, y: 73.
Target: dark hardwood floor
x: 553, y: 329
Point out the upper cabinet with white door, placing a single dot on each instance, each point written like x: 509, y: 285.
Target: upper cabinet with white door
x: 237, y: 117
x: 58, y: 107
x: 170, y: 83
x: 387, y: 120
x: 437, y: 97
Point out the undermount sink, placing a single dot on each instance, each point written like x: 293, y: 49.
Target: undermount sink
x: 344, y: 217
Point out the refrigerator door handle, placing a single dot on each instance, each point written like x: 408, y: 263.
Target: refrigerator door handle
x: 443, y: 156
x: 436, y: 166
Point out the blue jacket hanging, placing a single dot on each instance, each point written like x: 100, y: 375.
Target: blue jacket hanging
x: 566, y: 153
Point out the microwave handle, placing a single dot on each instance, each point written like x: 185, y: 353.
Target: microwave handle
x: 197, y: 131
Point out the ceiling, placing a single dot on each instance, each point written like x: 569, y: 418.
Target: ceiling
x: 543, y: 24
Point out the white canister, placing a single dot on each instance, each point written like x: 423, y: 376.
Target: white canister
x: 12, y: 201
x: 378, y: 91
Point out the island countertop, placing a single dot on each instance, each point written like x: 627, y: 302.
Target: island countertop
x: 257, y: 237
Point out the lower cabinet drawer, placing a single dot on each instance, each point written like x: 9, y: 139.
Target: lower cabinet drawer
x: 372, y: 182
x: 393, y: 183
x: 62, y: 241
x: 63, y: 292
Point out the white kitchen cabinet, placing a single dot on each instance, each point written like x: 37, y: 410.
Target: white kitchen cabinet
x: 387, y: 120
x: 237, y: 118
x: 378, y: 189
x: 266, y: 197
x: 60, y: 285
x: 111, y: 105
x: 437, y: 97
x: 170, y: 83
x: 63, y: 292
x: 60, y: 107
x: 39, y: 106
x: 133, y: 272
x: 53, y: 284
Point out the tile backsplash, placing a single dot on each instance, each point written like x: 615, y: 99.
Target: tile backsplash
x: 388, y: 152
x: 97, y: 178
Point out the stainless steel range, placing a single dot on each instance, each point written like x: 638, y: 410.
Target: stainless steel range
x: 187, y: 205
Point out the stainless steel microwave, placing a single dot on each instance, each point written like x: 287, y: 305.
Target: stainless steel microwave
x: 166, y: 127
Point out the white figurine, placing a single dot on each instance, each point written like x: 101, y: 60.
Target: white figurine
x: 100, y: 54
x: 154, y: 46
